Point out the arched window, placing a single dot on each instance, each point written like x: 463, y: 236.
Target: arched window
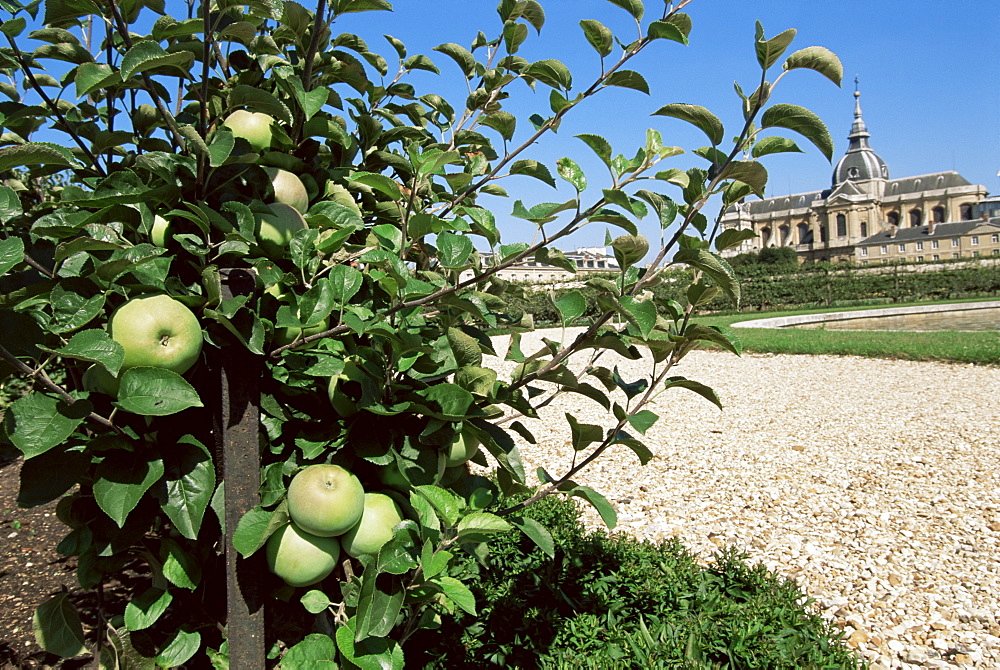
x: 784, y: 230
x: 864, y: 229
x: 765, y: 237
x: 805, y: 235
x: 892, y: 218
x: 938, y: 214
x: 916, y: 217
x: 841, y: 225
x: 966, y: 212
x: 822, y: 233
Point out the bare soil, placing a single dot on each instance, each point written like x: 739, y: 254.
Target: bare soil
x: 31, y: 571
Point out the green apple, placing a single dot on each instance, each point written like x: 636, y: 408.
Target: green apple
x: 287, y: 335
x: 288, y: 188
x: 161, y: 232
x: 391, y: 476
x: 325, y: 500
x: 299, y: 557
x: 97, y: 378
x: 374, y: 528
x: 276, y: 226
x: 157, y: 330
x: 345, y: 389
x: 254, y: 127
x: 463, y: 447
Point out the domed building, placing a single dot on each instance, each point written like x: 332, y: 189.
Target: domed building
x: 866, y: 217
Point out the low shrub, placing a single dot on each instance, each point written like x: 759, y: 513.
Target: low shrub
x: 610, y: 601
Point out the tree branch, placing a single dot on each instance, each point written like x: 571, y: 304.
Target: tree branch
x: 52, y: 386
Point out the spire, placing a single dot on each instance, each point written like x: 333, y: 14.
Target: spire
x: 860, y: 162
x: 859, y: 131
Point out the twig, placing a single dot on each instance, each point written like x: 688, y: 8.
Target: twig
x: 52, y: 386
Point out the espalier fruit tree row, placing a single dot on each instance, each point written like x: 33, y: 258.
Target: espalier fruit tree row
x: 246, y: 182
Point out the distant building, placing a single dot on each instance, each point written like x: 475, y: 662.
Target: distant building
x: 586, y: 260
x: 866, y: 216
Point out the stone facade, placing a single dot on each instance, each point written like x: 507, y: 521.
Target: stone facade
x: 863, y: 207
x: 586, y: 260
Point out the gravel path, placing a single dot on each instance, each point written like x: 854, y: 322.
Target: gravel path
x: 875, y: 484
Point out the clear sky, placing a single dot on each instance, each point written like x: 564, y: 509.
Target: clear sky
x: 928, y: 75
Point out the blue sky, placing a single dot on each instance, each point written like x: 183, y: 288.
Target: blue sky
x: 928, y: 75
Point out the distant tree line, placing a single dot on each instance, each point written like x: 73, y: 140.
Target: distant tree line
x: 769, y: 282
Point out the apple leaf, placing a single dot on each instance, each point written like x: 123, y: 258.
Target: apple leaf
x: 143, y: 611
x: 154, y: 391
x: 189, y: 483
x: 536, y: 532
x: 697, y: 116
x: 598, y: 35
x: 704, y: 391
x: 457, y: 592
x: 121, y: 481
x: 445, y: 503
x: 95, y: 346
x: 57, y: 627
x: 480, y: 523
x: 599, y: 502
x: 36, y: 422
x: 379, y: 604
x: 315, y: 601
x: 179, y: 567
x: 147, y: 55
x: 256, y: 526
x: 11, y: 253
x: 180, y: 649
x: 47, y: 476
x: 314, y: 651
x: 571, y: 307
x: 35, y: 153
x: 373, y: 653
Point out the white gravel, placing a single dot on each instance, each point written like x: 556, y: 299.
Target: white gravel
x: 875, y: 484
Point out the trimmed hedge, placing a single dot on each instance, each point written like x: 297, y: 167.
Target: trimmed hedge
x: 609, y: 601
x: 766, y: 287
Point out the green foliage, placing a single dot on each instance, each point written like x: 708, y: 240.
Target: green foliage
x: 776, y: 284
x: 976, y: 347
x: 608, y: 601
x: 355, y: 289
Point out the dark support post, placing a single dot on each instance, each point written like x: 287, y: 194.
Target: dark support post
x: 241, y: 472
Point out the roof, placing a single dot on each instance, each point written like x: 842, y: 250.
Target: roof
x: 860, y: 163
x: 926, y: 182
x: 917, y: 234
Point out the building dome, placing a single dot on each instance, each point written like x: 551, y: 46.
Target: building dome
x: 860, y: 163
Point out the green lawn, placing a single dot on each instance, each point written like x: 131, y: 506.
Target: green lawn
x: 982, y: 348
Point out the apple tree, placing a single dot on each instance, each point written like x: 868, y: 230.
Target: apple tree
x: 243, y: 207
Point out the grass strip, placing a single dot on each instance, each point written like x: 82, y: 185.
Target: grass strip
x: 980, y: 348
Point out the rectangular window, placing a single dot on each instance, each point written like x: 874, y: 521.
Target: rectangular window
x: 954, y: 255
x: 995, y: 238
x: 975, y: 240
x: 996, y: 252
x: 864, y: 251
x: 885, y: 248
x: 920, y: 246
x: 954, y: 242
x: 902, y: 247
x: 975, y: 253
x: 920, y: 259
x: 934, y: 244
x: 935, y: 257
